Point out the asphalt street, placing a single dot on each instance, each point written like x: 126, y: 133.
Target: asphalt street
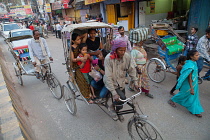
x: 51, y: 120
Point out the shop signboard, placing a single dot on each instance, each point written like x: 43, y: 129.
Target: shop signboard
x: 48, y: 8
x: 92, y: 1
x: 56, y: 5
x: 81, y: 6
x: 3, y: 9
x: 17, y: 10
x: 28, y: 9
x: 126, y: 0
x: 65, y: 4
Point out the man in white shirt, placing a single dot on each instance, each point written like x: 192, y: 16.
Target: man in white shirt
x: 122, y: 35
x: 38, y: 51
x: 58, y: 28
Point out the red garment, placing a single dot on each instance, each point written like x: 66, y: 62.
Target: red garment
x: 87, y: 66
x: 31, y: 27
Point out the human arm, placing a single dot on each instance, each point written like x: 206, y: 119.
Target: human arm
x: 178, y: 69
x: 99, y: 69
x: 108, y: 77
x: 95, y: 52
x: 202, y: 48
x: 190, y: 83
x: 195, y: 40
x: 81, y: 64
x: 31, y: 54
x: 132, y: 71
x: 101, y: 46
x: 47, y: 49
x: 84, y: 37
x: 82, y: 59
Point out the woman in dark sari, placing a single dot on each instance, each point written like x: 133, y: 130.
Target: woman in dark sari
x: 81, y: 82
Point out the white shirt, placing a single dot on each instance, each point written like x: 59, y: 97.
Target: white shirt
x: 203, y: 46
x: 58, y: 27
x: 35, y: 49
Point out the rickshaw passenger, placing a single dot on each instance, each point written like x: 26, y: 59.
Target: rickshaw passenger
x: 81, y: 82
x: 99, y: 66
x: 94, y: 44
x: 117, y: 64
x: 38, y: 51
x: 85, y: 67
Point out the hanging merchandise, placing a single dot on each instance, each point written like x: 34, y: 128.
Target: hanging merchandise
x: 139, y: 34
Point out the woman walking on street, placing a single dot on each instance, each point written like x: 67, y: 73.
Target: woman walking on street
x: 140, y: 57
x: 188, y: 85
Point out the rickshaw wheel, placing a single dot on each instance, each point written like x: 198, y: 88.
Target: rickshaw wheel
x: 156, y: 71
x: 69, y: 99
x: 143, y: 129
x: 19, y: 76
x: 200, y: 80
x: 54, y: 85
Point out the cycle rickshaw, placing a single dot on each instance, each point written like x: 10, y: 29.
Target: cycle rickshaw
x: 18, y: 46
x: 138, y: 126
x: 169, y: 49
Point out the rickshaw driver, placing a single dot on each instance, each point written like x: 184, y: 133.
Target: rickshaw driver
x: 38, y: 51
x: 117, y: 64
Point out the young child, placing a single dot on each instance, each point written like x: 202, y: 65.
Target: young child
x: 181, y: 63
x: 85, y: 67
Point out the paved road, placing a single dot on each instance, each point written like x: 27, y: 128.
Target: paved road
x: 51, y: 121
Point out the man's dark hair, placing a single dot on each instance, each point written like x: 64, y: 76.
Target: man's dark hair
x: 119, y: 28
x: 196, y: 29
x: 82, y: 45
x: 208, y: 30
x: 182, y: 59
x: 89, y: 30
x: 104, y: 53
x: 190, y: 54
x: 34, y: 31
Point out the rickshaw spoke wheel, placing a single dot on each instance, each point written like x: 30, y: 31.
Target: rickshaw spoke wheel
x: 69, y: 99
x: 54, y: 85
x: 156, y: 71
x: 143, y: 130
x: 19, y: 76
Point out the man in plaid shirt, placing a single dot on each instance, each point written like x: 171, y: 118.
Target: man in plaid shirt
x: 202, y: 47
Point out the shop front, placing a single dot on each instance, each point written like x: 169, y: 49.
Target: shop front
x: 121, y: 13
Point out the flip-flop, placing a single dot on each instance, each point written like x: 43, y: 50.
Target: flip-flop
x: 198, y: 115
x: 130, y: 89
x: 171, y: 103
x: 149, y: 95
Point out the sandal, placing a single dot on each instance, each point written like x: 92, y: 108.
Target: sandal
x: 130, y: 89
x: 172, y: 93
x: 149, y: 95
x: 170, y: 102
x: 198, y: 115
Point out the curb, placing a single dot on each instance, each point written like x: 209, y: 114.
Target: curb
x: 9, y: 124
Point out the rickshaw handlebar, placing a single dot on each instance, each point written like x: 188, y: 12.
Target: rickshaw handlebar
x: 132, y: 97
x: 46, y: 63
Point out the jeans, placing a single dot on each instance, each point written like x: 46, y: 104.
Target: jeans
x: 200, y: 64
x: 208, y: 73
x: 100, y: 86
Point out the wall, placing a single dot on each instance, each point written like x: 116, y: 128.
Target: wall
x: 161, y: 6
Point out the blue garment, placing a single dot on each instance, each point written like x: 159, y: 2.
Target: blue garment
x: 200, y: 64
x: 184, y: 97
x: 100, y: 86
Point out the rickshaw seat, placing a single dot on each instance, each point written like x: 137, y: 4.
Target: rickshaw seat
x: 173, y: 45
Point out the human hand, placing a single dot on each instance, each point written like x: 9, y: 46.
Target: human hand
x: 96, y: 67
x: 83, y: 59
x: 98, y: 52
x: 116, y: 97
x: 137, y: 87
x: 51, y: 59
x: 34, y: 63
x: 192, y: 91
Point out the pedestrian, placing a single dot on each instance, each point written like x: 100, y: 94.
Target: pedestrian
x: 203, y: 47
x: 188, y: 95
x: 31, y: 26
x: 117, y: 64
x: 58, y: 29
x: 192, y: 40
x: 140, y: 57
x: 38, y: 51
x: 181, y: 63
x: 122, y: 35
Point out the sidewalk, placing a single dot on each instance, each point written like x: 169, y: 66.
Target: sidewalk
x: 9, y: 125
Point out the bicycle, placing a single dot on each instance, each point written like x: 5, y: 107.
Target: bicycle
x: 52, y: 81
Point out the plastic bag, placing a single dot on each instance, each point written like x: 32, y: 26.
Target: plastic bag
x: 95, y: 75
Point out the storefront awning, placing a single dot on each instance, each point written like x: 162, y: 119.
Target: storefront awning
x: 126, y: 0
x: 92, y: 1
